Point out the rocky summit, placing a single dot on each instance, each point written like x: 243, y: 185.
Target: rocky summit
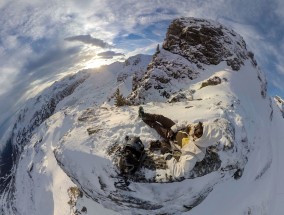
x: 205, y: 42
x: 190, y: 47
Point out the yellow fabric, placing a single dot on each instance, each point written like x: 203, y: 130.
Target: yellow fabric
x: 180, y: 135
x: 184, y: 141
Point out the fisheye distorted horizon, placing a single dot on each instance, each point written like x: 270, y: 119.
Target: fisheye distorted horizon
x: 42, y: 40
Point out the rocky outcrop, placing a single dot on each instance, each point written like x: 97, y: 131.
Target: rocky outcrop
x: 134, y: 66
x: 190, y: 45
x: 205, y: 42
x: 211, y: 82
x: 163, y: 77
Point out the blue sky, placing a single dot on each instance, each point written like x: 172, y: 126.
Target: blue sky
x: 40, y: 41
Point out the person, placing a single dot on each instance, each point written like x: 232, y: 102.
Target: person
x: 191, y: 140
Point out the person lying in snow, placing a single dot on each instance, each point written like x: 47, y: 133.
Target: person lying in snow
x: 191, y: 140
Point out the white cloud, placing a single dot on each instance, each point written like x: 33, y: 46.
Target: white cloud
x: 280, y: 69
x: 109, y: 54
x: 32, y: 31
x: 88, y: 39
x: 7, y: 77
x: 145, y: 50
x: 280, y: 8
x: 278, y: 84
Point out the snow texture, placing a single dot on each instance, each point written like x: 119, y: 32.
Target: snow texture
x: 74, y: 145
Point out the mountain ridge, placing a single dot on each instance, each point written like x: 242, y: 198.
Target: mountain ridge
x: 189, y: 47
x: 73, y: 148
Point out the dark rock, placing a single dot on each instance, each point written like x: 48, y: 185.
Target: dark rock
x: 177, y: 98
x: 93, y: 130
x: 206, y: 42
x: 211, y: 82
x: 84, y: 210
x: 238, y: 174
x: 209, y: 164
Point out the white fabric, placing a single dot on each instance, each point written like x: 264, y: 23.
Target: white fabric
x: 178, y: 126
x: 211, y: 134
x: 194, y: 151
x: 191, y: 148
x: 183, y: 166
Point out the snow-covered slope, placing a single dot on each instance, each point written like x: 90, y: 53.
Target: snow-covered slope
x: 66, y: 164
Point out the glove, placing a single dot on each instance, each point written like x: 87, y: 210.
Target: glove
x: 168, y: 156
x: 170, y: 134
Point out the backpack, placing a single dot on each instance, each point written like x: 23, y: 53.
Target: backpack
x: 131, y: 155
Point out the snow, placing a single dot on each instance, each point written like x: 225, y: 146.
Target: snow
x: 69, y: 149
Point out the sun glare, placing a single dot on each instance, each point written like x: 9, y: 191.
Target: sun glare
x: 96, y: 63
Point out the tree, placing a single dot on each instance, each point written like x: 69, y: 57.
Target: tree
x: 119, y: 100
x: 158, y: 49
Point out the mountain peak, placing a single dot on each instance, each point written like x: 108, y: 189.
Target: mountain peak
x: 205, y: 42
x: 192, y: 47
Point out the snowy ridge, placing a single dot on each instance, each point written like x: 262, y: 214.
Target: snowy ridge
x: 35, y: 112
x: 32, y: 121
x: 74, y: 148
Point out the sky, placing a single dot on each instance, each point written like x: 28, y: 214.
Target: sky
x: 41, y: 41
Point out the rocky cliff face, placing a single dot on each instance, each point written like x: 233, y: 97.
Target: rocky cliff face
x: 205, y: 42
x: 190, y: 46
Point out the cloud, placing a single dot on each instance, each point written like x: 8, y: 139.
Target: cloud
x: 280, y: 69
x: 276, y: 86
x: 32, y: 35
x: 88, y: 39
x: 109, y: 54
x: 280, y: 8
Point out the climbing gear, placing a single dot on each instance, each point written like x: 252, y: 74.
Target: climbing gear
x: 131, y: 155
x: 134, y: 143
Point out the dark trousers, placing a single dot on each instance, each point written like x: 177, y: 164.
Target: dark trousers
x: 160, y: 123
